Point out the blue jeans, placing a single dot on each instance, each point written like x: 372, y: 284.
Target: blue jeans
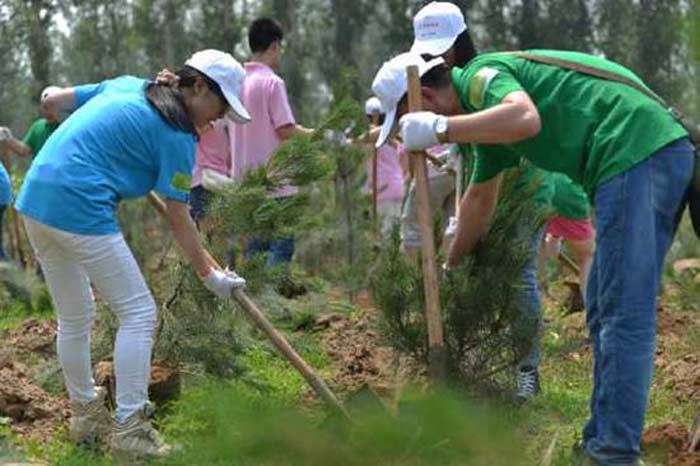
x: 635, y: 214
x: 531, y: 304
x: 279, y: 251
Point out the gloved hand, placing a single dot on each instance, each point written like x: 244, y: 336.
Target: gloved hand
x: 418, y: 130
x: 5, y: 133
x: 214, y: 181
x: 451, y: 230
x: 221, y: 283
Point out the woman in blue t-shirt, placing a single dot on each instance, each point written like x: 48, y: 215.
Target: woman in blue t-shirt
x: 125, y: 137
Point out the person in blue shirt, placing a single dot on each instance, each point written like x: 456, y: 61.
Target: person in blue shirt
x: 124, y: 138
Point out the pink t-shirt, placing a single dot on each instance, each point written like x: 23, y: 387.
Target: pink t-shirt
x: 213, y: 152
x: 390, y: 175
x: 264, y: 95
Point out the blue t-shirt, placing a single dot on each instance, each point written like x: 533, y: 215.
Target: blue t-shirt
x: 5, y: 187
x: 114, y: 146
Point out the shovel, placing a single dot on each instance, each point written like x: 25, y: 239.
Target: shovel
x: 253, y: 312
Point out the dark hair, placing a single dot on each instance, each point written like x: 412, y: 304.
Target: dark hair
x: 437, y: 77
x: 263, y: 33
x: 380, y: 120
x: 170, y: 102
x: 465, y: 50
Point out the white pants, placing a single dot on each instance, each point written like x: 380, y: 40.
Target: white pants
x: 69, y: 263
x: 389, y: 211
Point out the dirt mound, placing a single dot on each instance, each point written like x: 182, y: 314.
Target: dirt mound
x: 164, y: 384
x: 669, y: 443
x: 362, y: 358
x: 683, y: 376
x: 32, y: 411
x: 671, y: 323
x: 35, y: 336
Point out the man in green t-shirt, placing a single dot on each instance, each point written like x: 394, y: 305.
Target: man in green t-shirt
x: 39, y: 131
x: 629, y: 154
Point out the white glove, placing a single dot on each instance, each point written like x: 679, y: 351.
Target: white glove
x: 451, y: 229
x: 418, y: 130
x: 221, y: 283
x: 5, y: 133
x: 214, y: 181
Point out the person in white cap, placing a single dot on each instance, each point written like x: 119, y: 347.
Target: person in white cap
x: 441, y: 181
x: 126, y: 137
x: 390, y: 173
x: 440, y: 30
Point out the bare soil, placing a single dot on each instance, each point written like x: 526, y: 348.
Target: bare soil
x: 669, y: 442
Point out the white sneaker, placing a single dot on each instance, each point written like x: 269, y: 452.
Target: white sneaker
x: 136, y: 439
x: 90, y: 421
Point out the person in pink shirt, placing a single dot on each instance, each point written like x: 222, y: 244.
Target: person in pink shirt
x: 213, y: 155
x: 390, y: 174
x: 441, y: 184
x: 265, y: 96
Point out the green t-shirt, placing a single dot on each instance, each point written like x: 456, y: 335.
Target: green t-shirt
x: 592, y: 129
x: 500, y: 160
x: 37, y: 134
x: 569, y: 201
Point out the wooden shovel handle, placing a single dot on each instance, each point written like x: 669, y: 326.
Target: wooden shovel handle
x: 437, y: 360
x: 277, y: 339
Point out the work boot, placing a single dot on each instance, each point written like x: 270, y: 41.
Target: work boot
x: 135, y: 440
x: 90, y: 421
x: 528, y: 383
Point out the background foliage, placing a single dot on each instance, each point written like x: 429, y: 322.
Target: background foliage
x: 77, y: 41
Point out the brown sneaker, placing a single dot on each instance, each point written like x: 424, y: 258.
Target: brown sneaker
x: 90, y: 421
x: 136, y: 439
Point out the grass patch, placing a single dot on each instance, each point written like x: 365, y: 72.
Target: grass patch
x: 227, y: 424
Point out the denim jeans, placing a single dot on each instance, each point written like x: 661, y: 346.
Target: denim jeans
x: 635, y: 213
x: 531, y: 304
x: 279, y: 251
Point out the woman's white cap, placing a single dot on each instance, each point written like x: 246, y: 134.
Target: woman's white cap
x: 373, y: 106
x: 436, y: 27
x: 391, y: 84
x: 223, y: 69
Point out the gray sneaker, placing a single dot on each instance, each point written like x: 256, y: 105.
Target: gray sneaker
x: 528, y: 383
x: 90, y: 422
x: 136, y: 439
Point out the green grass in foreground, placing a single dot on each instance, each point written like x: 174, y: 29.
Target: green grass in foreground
x: 259, y: 422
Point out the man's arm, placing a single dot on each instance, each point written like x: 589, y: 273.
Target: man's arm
x: 18, y: 147
x: 515, y: 119
x: 476, y: 212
